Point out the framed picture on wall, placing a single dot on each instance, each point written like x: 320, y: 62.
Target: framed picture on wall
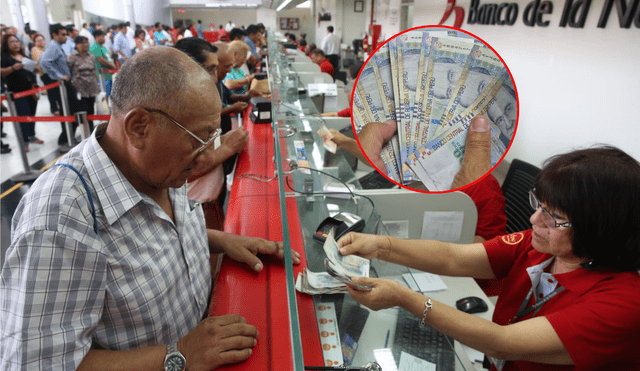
x: 358, y: 6
x: 289, y: 24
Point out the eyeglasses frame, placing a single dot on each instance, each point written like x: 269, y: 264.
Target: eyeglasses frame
x: 215, y: 134
x: 533, y: 200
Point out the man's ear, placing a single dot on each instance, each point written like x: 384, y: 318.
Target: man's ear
x: 138, y: 126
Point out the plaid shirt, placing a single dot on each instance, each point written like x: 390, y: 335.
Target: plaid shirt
x: 141, y: 281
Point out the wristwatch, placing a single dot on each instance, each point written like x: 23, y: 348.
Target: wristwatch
x: 174, y: 360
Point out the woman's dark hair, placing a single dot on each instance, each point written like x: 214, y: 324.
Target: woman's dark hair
x: 5, y: 44
x: 138, y: 32
x: 598, y: 189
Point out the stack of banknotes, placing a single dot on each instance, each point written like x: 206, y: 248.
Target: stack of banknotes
x: 432, y: 83
x: 342, y: 268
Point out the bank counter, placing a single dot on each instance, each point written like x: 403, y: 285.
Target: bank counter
x: 276, y: 196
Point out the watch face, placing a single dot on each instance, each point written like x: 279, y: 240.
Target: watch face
x: 174, y: 363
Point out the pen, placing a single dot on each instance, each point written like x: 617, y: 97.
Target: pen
x: 386, y: 342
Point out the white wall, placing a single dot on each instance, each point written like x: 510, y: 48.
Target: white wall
x: 241, y: 17
x: 306, y: 21
x: 353, y: 24
x: 147, y: 12
x: 577, y: 86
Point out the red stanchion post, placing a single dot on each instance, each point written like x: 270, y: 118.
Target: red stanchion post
x: 65, y: 109
x: 28, y: 174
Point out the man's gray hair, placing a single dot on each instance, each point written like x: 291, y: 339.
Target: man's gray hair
x: 153, y: 78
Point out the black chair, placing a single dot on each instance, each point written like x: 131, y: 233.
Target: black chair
x: 517, y: 184
x: 340, y: 75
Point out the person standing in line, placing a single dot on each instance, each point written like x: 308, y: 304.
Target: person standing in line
x: 121, y: 44
x: 54, y: 63
x: 83, y: 76
x: 331, y: 48
x: 20, y: 79
x: 104, y: 60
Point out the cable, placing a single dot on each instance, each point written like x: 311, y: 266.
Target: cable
x: 332, y: 193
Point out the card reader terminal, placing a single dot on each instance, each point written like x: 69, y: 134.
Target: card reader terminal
x: 342, y: 223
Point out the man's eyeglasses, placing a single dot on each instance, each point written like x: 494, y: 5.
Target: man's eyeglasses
x: 204, y: 144
x: 548, y: 219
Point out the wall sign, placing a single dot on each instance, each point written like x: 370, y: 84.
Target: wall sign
x: 536, y: 13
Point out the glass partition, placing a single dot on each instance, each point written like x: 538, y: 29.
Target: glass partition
x: 307, y: 172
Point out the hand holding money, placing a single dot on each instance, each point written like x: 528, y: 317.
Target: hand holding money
x: 477, y: 156
x: 373, y: 137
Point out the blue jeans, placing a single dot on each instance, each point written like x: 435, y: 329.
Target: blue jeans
x: 107, y: 87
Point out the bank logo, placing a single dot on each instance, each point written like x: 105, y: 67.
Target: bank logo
x: 459, y: 13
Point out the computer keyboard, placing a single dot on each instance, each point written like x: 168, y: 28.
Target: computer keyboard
x: 425, y: 343
x: 374, y: 180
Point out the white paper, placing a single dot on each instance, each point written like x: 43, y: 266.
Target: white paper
x: 329, y: 336
x: 427, y: 282
x: 442, y: 225
x: 411, y: 363
x: 384, y: 357
x: 397, y: 228
x: 29, y: 64
x: 326, y: 89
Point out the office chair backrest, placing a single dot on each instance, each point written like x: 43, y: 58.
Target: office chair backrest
x: 517, y: 184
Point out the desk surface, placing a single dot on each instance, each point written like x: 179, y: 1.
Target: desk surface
x: 254, y: 210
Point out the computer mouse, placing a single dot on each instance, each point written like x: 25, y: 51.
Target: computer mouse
x: 472, y: 304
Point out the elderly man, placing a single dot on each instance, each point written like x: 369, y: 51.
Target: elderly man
x: 108, y: 266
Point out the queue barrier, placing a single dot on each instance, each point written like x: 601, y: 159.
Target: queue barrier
x: 30, y: 174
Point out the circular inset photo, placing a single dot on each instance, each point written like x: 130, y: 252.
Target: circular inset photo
x: 418, y: 97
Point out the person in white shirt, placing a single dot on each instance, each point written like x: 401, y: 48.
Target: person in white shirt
x: 86, y: 33
x: 331, y: 48
x: 230, y: 26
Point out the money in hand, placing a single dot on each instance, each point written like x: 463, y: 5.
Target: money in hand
x: 432, y: 82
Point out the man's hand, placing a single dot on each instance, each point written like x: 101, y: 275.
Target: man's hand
x: 373, y: 137
x: 17, y: 66
x: 237, y: 139
x: 239, y: 107
x: 477, y: 154
x: 245, y: 249
x: 65, y: 78
x: 218, y: 341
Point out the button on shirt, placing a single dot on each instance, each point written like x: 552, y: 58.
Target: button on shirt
x: 331, y: 44
x: 54, y: 62
x: 143, y: 280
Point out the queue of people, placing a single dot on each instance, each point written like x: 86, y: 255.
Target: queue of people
x: 132, y: 241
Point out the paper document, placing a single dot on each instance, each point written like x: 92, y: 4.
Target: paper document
x: 442, y: 225
x: 411, y: 363
x: 329, y: 336
x: 427, y: 282
x: 29, y: 64
x: 326, y: 89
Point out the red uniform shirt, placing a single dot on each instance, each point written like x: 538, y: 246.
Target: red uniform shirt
x: 346, y: 113
x: 596, y: 316
x: 326, y: 67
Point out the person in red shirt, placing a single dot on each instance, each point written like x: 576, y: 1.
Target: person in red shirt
x: 317, y: 56
x: 570, y: 299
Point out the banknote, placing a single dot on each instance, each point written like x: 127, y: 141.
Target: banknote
x: 319, y: 283
x: 447, y: 59
x: 409, y: 46
x: 479, y: 71
x: 326, y: 136
x: 349, y: 265
x: 438, y: 161
x: 502, y: 111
